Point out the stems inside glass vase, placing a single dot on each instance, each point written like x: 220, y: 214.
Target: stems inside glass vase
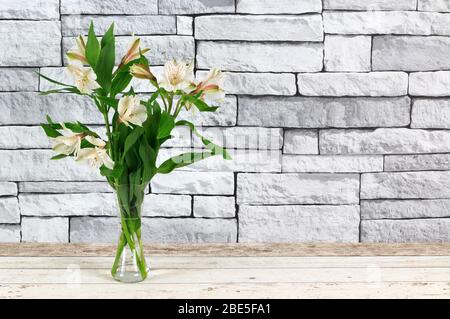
x: 129, y: 264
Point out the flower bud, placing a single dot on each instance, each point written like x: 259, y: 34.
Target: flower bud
x: 133, y: 52
x: 142, y: 71
x: 78, y: 52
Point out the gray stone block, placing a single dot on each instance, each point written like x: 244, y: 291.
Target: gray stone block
x: 405, y: 231
x: 271, y: 189
x: 294, y: 224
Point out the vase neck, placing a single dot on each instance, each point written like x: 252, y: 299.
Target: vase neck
x: 129, y: 200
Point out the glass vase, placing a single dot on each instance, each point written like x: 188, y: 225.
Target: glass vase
x: 129, y: 263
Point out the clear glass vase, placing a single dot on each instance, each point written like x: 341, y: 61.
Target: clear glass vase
x: 129, y: 264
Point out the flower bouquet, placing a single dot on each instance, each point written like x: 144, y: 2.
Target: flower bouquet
x: 136, y: 128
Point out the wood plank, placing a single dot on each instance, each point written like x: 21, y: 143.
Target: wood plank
x: 239, y: 276
x: 248, y: 290
x: 203, y: 262
x: 333, y: 249
x: 231, y: 271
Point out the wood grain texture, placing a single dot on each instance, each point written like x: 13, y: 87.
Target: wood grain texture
x: 231, y: 271
x: 208, y: 262
x: 236, y: 276
x: 245, y: 291
x: 293, y: 250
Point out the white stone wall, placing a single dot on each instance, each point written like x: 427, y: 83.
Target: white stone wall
x: 337, y: 119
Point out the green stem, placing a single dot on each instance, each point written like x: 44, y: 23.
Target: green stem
x: 120, y: 247
x: 170, y: 101
x: 178, y: 107
x: 127, y: 233
x: 164, y: 101
x: 130, y: 199
x: 137, y: 251
x: 108, y: 129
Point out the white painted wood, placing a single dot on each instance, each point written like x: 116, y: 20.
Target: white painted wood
x: 244, y: 290
x: 203, y: 276
x: 194, y: 262
x: 241, y: 275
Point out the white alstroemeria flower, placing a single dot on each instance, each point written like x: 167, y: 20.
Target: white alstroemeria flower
x: 68, y: 143
x: 211, y: 87
x: 96, y: 141
x: 85, y: 77
x: 78, y: 52
x: 131, y: 110
x: 95, y: 156
x: 177, y: 75
x: 133, y: 52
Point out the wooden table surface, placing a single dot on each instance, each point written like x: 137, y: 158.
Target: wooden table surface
x: 230, y: 271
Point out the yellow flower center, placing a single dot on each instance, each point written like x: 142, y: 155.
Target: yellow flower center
x: 175, y: 77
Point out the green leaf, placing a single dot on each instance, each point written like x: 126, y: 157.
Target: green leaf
x: 182, y: 160
x: 85, y: 144
x: 63, y: 90
x: 92, y: 47
x: 120, y: 82
x: 132, y: 160
x: 106, y: 59
x: 123, y: 131
x: 153, y: 98
x: 200, y: 104
x: 166, y: 125
x: 130, y: 92
x: 108, y: 37
x: 80, y: 128
x: 109, y: 101
x: 54, y: 81
x: 50, y: 131
x: 114, y: 173
x: 151, y: 125
x: 214, y: 148
x: 135, y: 180
x: 148, y: 157
x: 131, y: 139
x: 143, y: 60
x: 59, y: 156
x: 49, y: 119
x: 163, y: 140
x: 52, y: 123
x: 101, y: 107
x: 75, y: 127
